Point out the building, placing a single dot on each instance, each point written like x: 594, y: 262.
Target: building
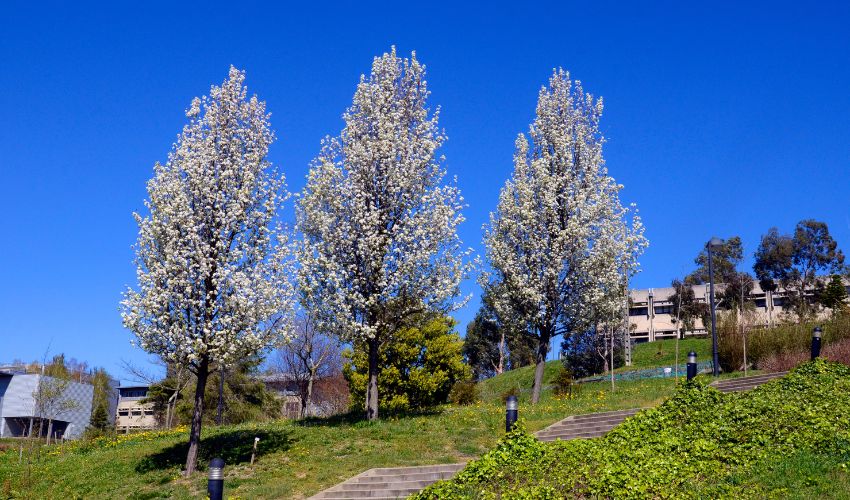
x: 652, y: 313
x: 20, y: 415
x: 329, y: 395
x: 131, y: 414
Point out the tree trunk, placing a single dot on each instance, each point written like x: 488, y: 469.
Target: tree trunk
x: 49, y: 429
x: 305, y: 404
x: 501, y: 368
x: 197, y: 418
x: 372, y: 387
x: 540, y: 360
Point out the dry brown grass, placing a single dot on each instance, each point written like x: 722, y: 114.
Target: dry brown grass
x: 783, y: 361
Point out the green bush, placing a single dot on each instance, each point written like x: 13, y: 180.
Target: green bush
x: 512, y: 391
x: 417, y: 369
x: 565, y: 384
x: 464, y: 392
x: 693, y: 445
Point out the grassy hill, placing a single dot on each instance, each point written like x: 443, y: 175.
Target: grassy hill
x: 296, y: 459
x: 648, y: 355
x: 789, y: 438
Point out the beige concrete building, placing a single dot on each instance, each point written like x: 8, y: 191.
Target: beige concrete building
x: 131, y: 414
x: 652, y: 314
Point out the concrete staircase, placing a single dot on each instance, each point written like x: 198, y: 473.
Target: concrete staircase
x: 585, y: 426
x: 745, y: 383
x: 393, y: 482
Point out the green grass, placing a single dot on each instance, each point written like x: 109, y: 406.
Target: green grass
x: 788, y: 438
x: 663, y: 353
x: 298, y: 459
x: 648, y: 355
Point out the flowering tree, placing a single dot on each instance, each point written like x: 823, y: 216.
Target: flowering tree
x: 212, y: 263
x: 380, y: 228
x: 559, y: 244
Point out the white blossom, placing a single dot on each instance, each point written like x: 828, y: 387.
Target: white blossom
x: 213, y: 264
x: 559, y: 244
x: 380, y: 227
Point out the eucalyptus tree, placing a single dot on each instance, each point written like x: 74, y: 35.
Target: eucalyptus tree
x: 212, y: 261
x: 380, y: 227
x: 798, y: 263
x: 559, y: 243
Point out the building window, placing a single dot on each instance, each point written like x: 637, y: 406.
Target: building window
x: 637, y: 311
x: 663, y: 309
x: 123, y: 413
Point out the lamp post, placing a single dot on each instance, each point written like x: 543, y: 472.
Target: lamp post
x: 713, y: 242
x: 215, y: 483
x: 692, y: 365
x: 511, y: 413
x: 816, y: 335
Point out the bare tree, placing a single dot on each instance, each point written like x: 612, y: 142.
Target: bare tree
x: 51, y: 401
x: 309, y: 355
x: 177, y: 377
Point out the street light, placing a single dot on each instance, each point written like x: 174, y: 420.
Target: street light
x: 712, y: 243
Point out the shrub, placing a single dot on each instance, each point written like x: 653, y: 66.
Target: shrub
x: 783, y: 361
x: 464, y: 392
x: 564, y: 383
x: 416, y: 370
x: 513, y: 391
x: 779, y: 341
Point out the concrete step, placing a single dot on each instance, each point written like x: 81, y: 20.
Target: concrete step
x: 585, y: 426
x: 409, y: 476
x: 745, y: 383
x: 601, y: 415
x: 367, y: 494
x: 567, y: 425
x: 387, y: 485
x: 389, y: 482
x: 566, y: 432
x: 577, y: 435
x: 383, y: 471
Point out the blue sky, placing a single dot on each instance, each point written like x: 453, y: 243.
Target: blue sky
x: 721, y: 119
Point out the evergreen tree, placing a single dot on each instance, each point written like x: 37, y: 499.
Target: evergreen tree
x: 834, y: 295
x: 100, y: 418
x: 416, y: 370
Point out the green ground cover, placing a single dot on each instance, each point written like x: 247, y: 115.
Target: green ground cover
x: 787, y: 438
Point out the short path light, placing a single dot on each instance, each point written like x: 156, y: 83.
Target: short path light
x: 215, y: 483
x: 692, y: 365
x: 511, y: 413
x: 816, y: 335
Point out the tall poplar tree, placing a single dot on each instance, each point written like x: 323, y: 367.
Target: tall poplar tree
x: 559, y: 244
x: 212, y: 263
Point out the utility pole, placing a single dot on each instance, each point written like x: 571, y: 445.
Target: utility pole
x: 715, y: 241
